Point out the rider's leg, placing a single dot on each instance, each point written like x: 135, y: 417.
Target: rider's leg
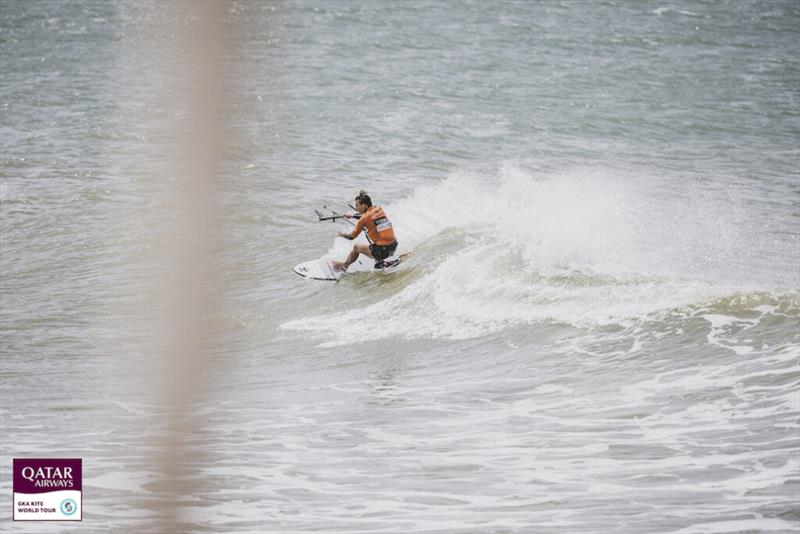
x: 353, y: 256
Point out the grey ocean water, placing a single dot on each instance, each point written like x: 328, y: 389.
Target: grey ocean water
x: 599, y: 328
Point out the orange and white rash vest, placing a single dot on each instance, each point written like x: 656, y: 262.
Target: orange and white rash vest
x: 379, y: 229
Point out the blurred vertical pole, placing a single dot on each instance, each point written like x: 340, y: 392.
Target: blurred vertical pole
x: 202, y: 31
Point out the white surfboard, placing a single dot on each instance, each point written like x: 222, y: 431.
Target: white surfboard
x: 321, y: 269
x: 316, y: 269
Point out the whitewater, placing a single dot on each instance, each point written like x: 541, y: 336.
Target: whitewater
x: 581, y: 247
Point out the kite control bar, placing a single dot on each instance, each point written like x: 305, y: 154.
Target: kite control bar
x: 335, y: 216
x: 331, y: 218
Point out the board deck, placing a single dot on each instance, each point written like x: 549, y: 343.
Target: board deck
x: 321, y: 269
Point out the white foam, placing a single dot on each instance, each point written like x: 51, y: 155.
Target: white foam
x: 741, y: 525
x: 585, y: 247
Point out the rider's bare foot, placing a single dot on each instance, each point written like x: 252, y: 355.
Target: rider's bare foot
x: 337, y: 265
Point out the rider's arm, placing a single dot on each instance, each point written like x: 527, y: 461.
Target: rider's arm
x: 357, y: 230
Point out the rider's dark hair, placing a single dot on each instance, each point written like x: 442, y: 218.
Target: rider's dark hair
x: 363, y: 197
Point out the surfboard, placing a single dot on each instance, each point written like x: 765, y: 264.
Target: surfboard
x: 321, y: 268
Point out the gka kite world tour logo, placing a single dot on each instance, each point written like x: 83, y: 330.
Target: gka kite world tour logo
x: 47, y: 489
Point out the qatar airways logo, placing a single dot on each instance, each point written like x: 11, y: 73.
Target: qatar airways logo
x: 49, y: 477
x: 47, y: 489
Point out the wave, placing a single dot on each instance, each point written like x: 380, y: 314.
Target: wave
x: 585, y: 248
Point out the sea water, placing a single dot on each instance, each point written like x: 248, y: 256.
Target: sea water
x: 598, y: 329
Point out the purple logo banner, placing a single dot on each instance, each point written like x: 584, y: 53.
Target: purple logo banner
x: 42, y: 475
